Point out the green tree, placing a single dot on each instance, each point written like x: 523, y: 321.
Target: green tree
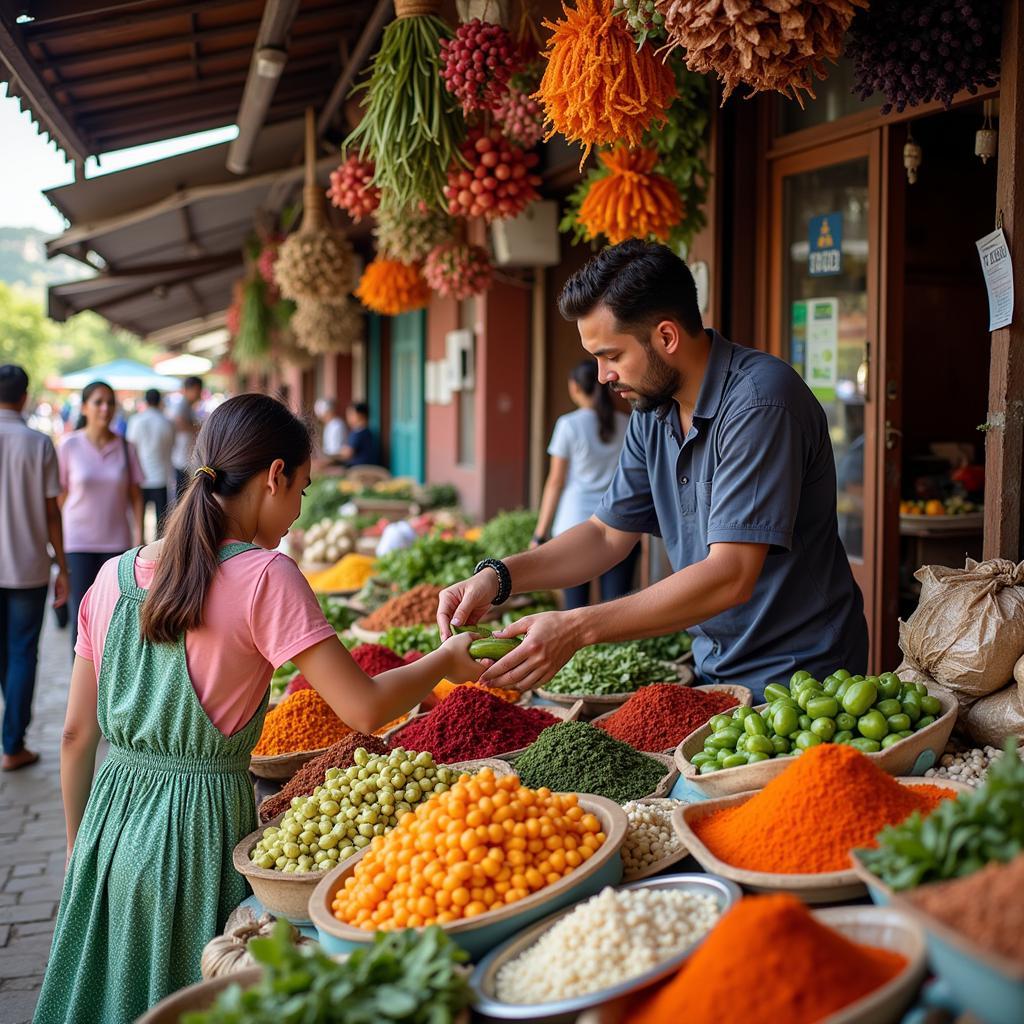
x: 88, y: 339
x: 26, y: 335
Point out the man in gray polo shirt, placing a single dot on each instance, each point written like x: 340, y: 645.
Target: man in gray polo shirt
x: 728, y: 458
x: 29, y: 517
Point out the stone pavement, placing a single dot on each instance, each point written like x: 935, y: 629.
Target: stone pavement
x: 32, y: 839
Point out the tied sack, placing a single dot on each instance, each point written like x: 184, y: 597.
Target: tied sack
x: 968, y: 629
x: 995, y: 718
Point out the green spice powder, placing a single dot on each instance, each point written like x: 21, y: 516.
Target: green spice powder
x: 575, y: 757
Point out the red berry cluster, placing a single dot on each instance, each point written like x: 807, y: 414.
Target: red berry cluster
x: 458, y: 271
x: 352, y: 188
x: 497, y: 182
x: 477, y: 64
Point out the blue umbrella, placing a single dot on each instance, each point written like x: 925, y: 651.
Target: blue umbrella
x: 121, y: 375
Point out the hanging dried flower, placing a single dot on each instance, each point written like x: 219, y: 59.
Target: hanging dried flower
x: 392, y: 288
x: 632, y: 201
x: 408, y: 234
x: 457, y: 270
x: 643, y: 19
x: 352, y: 188
x: 767, y: 45
x: 322, y: 327
x: 598, y: 89
x: 919, y: 52
x: 477, y: 63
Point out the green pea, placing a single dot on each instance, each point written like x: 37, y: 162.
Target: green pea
x: 709, y: 767
x: 841, y: 674
x: 873, y: 725
x: 843, y: 736
x: 723, y: 753
x: 923, y: 723
x: 741, y: 743
x: 859, y: 697
x: 889, y: 685
x: 824, y: 728
x: 823, y: 707
x: 807, y: 739
x: 760, y: 745
x: 742, y: 713
x: 701, y: 758
x: 843, y: 687
x: 774, y: 691
x: 912, y: 706
x: 807, y: 694
x: 755, y: 757
x: 830, y: 685
x: 888, y: 707
x: 931, y: 705
x: 897, y: 723
x: 784, y: 702
x: 805, y: 722
x: 921, y: 689
x: 734, y: 761
x: 844, y: 720
x: 780, y: 744
x: 889, y: 740
x: 799, y: 677
x: 719, y: 722
x: 865, y: 745
x: 754, y: 726
x: 724, y: 738
x: 905, y: 733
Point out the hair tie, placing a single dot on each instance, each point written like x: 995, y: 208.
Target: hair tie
x: 206, y: 471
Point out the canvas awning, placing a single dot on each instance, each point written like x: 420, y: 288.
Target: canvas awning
x: 121, y: 375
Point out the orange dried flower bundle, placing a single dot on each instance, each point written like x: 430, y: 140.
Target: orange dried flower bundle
x: 598, y: 88
x: 778, y: 45
x: 390, y: 287
x: 632, y: 201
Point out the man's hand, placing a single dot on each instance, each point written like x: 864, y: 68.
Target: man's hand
x: 550, y: 642
x: 61, y: 589
x: 463, y: 603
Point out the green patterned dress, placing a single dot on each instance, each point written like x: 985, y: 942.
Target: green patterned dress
x: 150, y: 880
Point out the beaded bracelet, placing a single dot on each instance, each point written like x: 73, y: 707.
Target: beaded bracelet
x: 504, y: 578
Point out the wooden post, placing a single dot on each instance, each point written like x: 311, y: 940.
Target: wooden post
x: 1004, y: 443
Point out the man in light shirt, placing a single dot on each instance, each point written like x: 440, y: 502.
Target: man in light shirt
x: 186, y: 425
x: 152, y: 433
x: 29, y: 518
x: 335, y: 432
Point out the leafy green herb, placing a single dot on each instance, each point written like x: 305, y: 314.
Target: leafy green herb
x: 540, y: 601
x: 508, y: 533
x: 610, y: 668
x: 960, y: 836
x: 667, y: 648
x: 403, y: 639
x: 323, y: 500
x: 337, y: 612
x: 430, y: 560
x: 404, y: 976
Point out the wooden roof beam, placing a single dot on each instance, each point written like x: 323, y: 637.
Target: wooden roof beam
x: 40, y: 31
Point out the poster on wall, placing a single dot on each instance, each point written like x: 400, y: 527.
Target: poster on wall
x: 995, y: 265
x: 825, y: 241
x: 821, y: 370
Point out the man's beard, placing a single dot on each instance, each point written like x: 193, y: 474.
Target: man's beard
x: 659, y: 385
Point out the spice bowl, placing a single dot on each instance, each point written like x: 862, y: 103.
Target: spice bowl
x: 823, y: 887
x: 478, y: 935
x: 654, y: 868
x: 282, y: 766
x: 595, y: 704
x: 485, y: 976
x: 743, y: 695
x: 912, y: 756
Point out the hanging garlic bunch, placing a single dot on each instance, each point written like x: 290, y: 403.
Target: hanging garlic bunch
x: 229, y: 952
x: 317, y: 262
x: 322, y: 327
x: 409, y: 233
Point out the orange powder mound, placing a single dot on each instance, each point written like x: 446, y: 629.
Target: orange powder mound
x: 302, y: 721
x: 831, y: 799
x: 807, y: 970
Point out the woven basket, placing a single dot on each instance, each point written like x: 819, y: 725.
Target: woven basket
x: 598, y: 704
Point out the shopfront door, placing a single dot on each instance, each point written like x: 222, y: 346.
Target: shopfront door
x: 823, y: 307
x: 407, y: 408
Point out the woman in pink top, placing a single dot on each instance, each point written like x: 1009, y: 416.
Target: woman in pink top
x: 177, y: 646
x: 101, y: 494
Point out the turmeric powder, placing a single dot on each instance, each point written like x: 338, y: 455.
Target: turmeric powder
x: 810, y: 970
x: 446, y: 687
x: 302, y: 721
x: 807, y: 820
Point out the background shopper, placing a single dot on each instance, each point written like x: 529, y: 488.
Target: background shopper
x: 152, y: 433
x: 185, y: 417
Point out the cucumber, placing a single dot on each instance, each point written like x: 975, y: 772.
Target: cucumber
x: 493, y: 649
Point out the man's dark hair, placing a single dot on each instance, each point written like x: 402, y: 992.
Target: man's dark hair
x: 13, y: 384
x: 642, y: 283
x: 153, y: 398
x: 192, y: 382
x: 360, y: 409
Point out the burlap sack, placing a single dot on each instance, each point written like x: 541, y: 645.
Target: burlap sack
x: 968, y: 629
x: 995, y: 717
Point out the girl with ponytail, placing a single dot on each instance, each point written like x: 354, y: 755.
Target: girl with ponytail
x: 584, y: 452
x: 177, y: 644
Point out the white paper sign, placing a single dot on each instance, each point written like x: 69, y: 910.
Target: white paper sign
x: 822, y: 343
x: 995, y: 265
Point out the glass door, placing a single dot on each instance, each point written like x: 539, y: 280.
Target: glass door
x: 407, y: 400
x: 823, y: 317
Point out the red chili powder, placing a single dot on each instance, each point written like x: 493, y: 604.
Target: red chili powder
x: 376, y: 658
x: 473, y: 723
x: 662, y: 715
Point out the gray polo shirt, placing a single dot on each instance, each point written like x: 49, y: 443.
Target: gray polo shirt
x: 756, y: 467
x: 28, y: 476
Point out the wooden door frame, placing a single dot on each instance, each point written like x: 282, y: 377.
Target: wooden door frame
x: 867, y: 145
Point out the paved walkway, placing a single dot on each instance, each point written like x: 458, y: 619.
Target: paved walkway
x: 32, y: 839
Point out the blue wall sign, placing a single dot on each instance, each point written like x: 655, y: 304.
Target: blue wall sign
x: 825, y: 235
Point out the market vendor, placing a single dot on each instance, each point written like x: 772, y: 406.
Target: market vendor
x: 728, y: 458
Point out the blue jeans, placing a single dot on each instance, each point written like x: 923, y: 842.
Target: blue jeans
x: 21, y: 620
x: 83, y: 567
x: 615, y: 583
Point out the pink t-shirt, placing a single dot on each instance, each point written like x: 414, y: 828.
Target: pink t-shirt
x: 260, y: 612
x: 97, y: 512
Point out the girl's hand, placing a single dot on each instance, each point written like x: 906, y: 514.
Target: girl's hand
x: 459, y: 666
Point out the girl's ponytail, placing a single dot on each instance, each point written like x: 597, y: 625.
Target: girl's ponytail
x: 585, y: 376
x: 241, y: 438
